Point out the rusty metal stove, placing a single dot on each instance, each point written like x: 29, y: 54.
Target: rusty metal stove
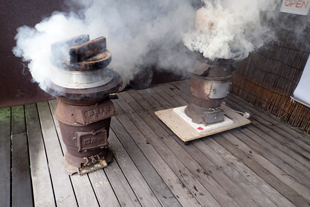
x: 209, y: 85
x: 82, y: 84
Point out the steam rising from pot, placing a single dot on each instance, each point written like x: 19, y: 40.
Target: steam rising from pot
x: 230, y: 29
x: 138, y: 33
x: 141, y: 33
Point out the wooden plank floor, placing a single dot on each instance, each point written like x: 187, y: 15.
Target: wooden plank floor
x: 266, y: 163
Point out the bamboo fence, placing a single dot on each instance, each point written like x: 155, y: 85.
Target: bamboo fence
x: 268, y: 77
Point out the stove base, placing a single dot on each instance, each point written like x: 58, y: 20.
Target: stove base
x: 89, y: 167
x: 200, y: 127
x: 204, y: 116
x: 187, y: 133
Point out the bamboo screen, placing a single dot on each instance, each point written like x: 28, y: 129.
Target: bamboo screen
x: 268, y: 77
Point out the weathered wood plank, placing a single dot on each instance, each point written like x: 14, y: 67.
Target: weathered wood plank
x: 132, y: 105
x: 201, y: 146
x: 139, y: 97
x: 277, y: 157
x: 84, y: 193
x: 276, y: 140
x: 53, y: 105
x: 143, y: 104
x: 248, y: 189
x: 247, y: 158
x: 103, y: 189
x: 265, y: 176
x: 184, y: 87
x: 117, y: 175
x: 174, y: 93
x: 21, y: 178
x: 118, y: 109
x: 149, y: 98
x: 157, y: 128
x: 177, y: 89
x: 163, y: 103
x: 222, y: 190
x: 41, y: 182
x: 182, y: 94
x: 297, y: 137
x: 5, y: 154
x: 179, y: 169
x: 140, y: 187
x: 164, y: 97
x: 175, y: 184
x: 64, y: 194
x: 279, y: 173
x: 230, y: 187
x: 241, y: 105
x: 277, y: 126
x: 153, y: 178
x: 250, y: 175
x: 82, y: 187
x: 297, y: 158
x: 120, y: 185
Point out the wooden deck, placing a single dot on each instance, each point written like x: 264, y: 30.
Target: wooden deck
x: 263, y: 164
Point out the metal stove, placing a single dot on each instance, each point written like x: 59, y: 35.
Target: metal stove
x: 82, y: 82
x: 209, y: 85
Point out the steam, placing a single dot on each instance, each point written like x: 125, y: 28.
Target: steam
x: 138, y: 33
x: 142, y: 33
x: 230, y: 29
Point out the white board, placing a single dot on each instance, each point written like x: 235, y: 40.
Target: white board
x: 300, y: 7
x: 187, y: 132
x: 302, y: 91
x: 201, y: 127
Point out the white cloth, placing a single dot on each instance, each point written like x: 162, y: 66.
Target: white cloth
x: 302, y: 91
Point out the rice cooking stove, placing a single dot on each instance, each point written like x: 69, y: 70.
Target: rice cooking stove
x: 82, y: 84
x: 209, y: 85
x: 205, y: 115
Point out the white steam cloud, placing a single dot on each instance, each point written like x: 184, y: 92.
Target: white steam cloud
x: 230, y: 29
x: 138, y: 33
x: 141, y: 33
